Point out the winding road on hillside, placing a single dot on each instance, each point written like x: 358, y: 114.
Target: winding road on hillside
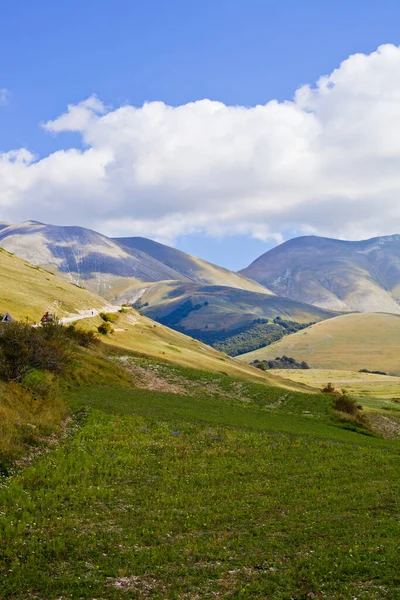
x: 89, y: 314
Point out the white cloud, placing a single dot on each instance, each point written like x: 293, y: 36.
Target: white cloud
x: 4, y: 96
x: 326, y: 162
x: 78, y: 117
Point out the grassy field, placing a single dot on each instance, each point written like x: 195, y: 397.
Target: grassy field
x: 349, y: 342
x: 204, y: 486
x: 27, y: 291
x: 370, y: 389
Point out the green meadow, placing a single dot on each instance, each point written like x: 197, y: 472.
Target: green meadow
x: 205, y: 486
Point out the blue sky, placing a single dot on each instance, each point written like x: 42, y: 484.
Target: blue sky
x: 239, y: 52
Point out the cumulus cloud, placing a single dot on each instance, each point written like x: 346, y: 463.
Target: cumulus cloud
x: 325, y: 162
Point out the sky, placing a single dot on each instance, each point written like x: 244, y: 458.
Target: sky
x: 222, y: 127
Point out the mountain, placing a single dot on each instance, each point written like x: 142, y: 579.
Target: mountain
x: 82, y: 254
x: 348, y: 342
x: 29, y: 291
x: 190, y: 268
x: 109, y: 267
x: 334, y: 274
x: 190, y: 307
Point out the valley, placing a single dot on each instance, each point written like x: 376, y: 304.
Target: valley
x: 199, y: 300
x: 145, y: 463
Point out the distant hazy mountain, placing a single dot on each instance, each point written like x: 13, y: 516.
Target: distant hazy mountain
x: 338, y: 275
x: 109, y: 267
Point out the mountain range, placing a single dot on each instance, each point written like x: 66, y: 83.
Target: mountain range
x: 112, y: 266
x: 306, y: 279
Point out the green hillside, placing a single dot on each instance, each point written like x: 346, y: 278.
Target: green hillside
x: 28, y: 291
x: 153, y: 466
x: 349, y: 342
x: 188, y: 484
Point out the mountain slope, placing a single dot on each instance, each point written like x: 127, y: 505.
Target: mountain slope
x: 138, y: 333
x: 359, y: 276
x: 112, y: 267
x: 82, y: 254
x: 189, y: 267
x: 190, y: 306
x: 348, y: 342
x: 29, y: 291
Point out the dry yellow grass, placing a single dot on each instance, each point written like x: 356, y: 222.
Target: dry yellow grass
x: 29, y: 291
x: 383, y: 390
x: 349, y: 342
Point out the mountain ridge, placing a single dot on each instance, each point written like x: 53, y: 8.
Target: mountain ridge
x: 339, y: 275
x: 102, y: 264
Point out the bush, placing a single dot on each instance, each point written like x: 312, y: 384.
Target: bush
x: 345, y: 404
x: 105, y: 328
x: 328, y: 389
x: 23, y: 348
x: 342, y: 401
x: 373, y: 372
x: 83, y: 338
x: 109, y: 317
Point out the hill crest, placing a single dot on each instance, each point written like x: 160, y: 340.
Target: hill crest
x: 335, y: 274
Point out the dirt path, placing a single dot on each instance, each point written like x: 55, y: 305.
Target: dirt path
x: 88, y: 314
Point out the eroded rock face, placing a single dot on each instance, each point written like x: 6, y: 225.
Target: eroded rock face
x: 338, y: 275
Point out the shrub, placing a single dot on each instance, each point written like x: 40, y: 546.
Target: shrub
x: 284, y: 362
x: 83, y: 338
x: 373, y: 372
x: 328, y: 389
x: 345, y: 404
x: 105, y: 328
x: 342, y: 402
x: 109, y: 317
x: 23, y: 348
